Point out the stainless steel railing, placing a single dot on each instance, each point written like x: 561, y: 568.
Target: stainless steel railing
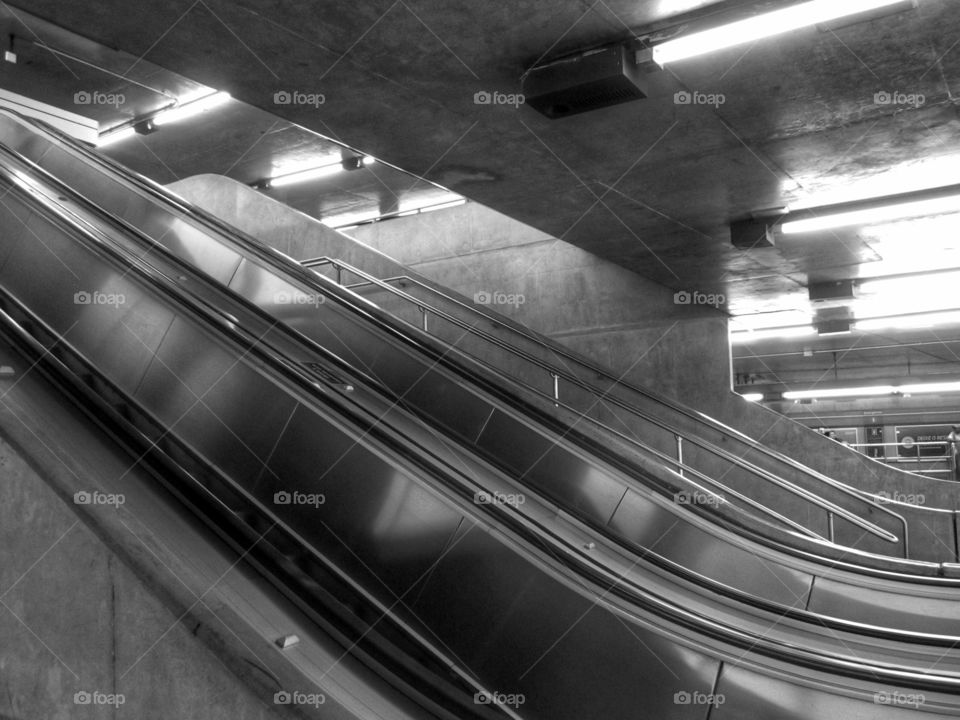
x: 678, y: 437
x: 273, y: 258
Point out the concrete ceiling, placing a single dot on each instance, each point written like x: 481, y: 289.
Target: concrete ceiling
x: 651, y: 185
x: 65, y: 70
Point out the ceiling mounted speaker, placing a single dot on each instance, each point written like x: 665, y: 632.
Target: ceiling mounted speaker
x: 832, y: 290
x: 834, y: 327
x: 589, y: 81
x: 752, y: 233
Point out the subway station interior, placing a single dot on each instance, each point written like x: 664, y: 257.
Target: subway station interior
x: 418, y: 360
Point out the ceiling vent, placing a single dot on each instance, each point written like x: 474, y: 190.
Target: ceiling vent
x: 589, y: 81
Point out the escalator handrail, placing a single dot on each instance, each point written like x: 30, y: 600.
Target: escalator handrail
x: 673, y: 612
x: 293, y: 269
x: 557, y: 349
x: 280, y: 364
x: 720, y: 452
x: 226, y: 319
x: 592, y: 571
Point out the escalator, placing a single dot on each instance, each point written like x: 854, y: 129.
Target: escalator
x: 737, y: 473
x: 367, y: 463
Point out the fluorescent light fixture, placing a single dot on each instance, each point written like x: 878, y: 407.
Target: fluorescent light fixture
x: 772, y: 333
x: 874, y: 216
x: 447, y: 199
x: 112, y: 136
x: 344, y: 220
x: 904, y: 177
x: 752, y: 397
x: 191, y: 107
x: 762, y: 26
x: 944, y: 387
x: 909, y: 283
x: 873, y: 391
x: 869, y: 391
x: 909, y: 322
x: 443, y: 205
x: 354, y: 218
x: 305, y: 175
x: 774, y: 319
x: 826, y: 328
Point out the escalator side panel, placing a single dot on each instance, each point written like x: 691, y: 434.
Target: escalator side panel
x: 15, y: 219
x: 368, y: 510
x: 183, y: 238
x: 551, y: 469
x: 462, y: 411
x: 24, y: 139
x: 748, y: 694
x: 193, y: 385
x: 108, y: 318
x: 885, y: 606
x: 651, y: 526
x: 538, y: 646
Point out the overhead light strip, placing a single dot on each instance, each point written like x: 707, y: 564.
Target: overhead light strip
x: 306, y: 175
x: 908, y: 321
x: 762, y: 26
x: 873, y: 391
x: 112, y: 136
x: 329, y: 165
x: 191, y: 108
x: 792, y: 331
x: 874, y: 216
x: 932, y: 201
x: 187, y: 107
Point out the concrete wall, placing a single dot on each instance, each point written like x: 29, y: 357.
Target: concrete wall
x: 596, y: 308
x: 73, y: 618
x: 588, y: 304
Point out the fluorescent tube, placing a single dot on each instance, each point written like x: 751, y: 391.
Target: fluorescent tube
x: 762, y: 26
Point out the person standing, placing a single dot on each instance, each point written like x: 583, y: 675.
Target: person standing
x: 953, y: 452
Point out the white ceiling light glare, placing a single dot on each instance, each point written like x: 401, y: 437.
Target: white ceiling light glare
x: 191, y: 106
x: 347, y: 220
x: 874, y: 216
x: 781, y: 333
x: 827, y: 393
x: 752, y: 397
x: 780, y: 324
x: 873, y: 391
x: 918, y: 321
x: 430, y: 203
x: 307, y: 175
x: 112, y: 136
x: 905, y: 177
x: 941, y: 285
x: 767, y: 25
x: 928, y: 388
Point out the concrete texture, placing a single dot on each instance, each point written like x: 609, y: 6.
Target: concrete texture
x: 600, y: 310
x: 649, y: 185
x: 141, y: 598
x: 75, y: 619
x: 588, y: 304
